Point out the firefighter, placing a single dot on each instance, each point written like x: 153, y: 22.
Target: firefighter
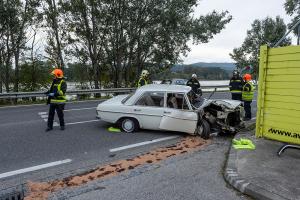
x: 144, y: 78
x: 56, y: 99
x: 236, y: 86
x: 194, y: 84
x: 247, y: 95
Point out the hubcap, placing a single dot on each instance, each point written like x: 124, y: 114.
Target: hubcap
x: 128, y: 125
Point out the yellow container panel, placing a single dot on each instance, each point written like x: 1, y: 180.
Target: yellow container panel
x: 283, y: 64
x: 286, y: 71
x: 286, y: 57
x: 285, y: 113
x: 282, y: 106
x: 282, y: 92
x: 284, y: 50
x: 283, y: 99
x: 286, y: 85
x: 282, y: 78
x: 278, y: 112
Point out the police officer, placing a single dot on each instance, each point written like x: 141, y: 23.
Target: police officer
x: 247, y: 95
x: 236, y: 86
x: 144, y: 78
x: 194, y: 84
x: 57, y: 99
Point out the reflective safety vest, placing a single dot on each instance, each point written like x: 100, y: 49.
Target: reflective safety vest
x: 61, y: 98
x: 248, y: 92
x: 142, y: 82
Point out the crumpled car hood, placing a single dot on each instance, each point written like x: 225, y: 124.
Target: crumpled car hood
x: 229, y: 104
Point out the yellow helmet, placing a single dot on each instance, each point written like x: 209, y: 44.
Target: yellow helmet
x: 144, y: 73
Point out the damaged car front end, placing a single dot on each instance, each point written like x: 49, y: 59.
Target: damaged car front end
x: 222, y: 115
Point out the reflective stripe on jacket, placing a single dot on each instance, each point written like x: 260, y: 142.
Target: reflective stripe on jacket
x: 248, y: 92
x: 59, y: 96
x: 236, y: 85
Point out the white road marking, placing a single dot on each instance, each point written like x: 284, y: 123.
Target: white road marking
x: 143, y: 143
x: 80, y: 109
x: 83, y: 122
x: 34, y: 168
x: 44, y: 116
x: 42, y: 113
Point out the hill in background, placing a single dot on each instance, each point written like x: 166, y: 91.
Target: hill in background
x: 226, y: 66
x: 204, y: 71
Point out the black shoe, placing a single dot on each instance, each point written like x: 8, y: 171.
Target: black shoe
x: 62, y: 128
x: 48, y: 129
x: 247, y: 119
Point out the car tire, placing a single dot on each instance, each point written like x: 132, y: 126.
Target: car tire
x: 129, y: 125
x: 203, y: 129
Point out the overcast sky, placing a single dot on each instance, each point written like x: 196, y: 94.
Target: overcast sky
x: 244, y: 12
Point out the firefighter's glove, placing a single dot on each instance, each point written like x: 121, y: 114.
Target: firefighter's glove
x: 51, y: 94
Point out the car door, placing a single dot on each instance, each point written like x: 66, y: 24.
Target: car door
x: 178, y: 117
x: 148, y: 109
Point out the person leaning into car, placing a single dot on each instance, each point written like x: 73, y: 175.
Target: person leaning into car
x: 247, y: 95
x: 194, y: 83
x: 57, y: 99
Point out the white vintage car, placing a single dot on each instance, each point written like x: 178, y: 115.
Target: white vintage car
x: 169, y: 107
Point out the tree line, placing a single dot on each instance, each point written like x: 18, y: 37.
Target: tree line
x: 101, y: 42
x: 107, y: 43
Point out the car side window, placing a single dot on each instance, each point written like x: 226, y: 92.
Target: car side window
x: 177, y: 101
x: 155, y: 99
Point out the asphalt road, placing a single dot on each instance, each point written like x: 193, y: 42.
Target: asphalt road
x: 85, y: 142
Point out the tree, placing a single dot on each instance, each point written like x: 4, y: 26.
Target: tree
x: 6, y: 50
x: 292, y: 8
x: 20, y: 16
x: 263, y: 32
x: 55, y: 32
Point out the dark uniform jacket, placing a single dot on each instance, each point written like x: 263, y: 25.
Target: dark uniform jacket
x: 54, y: 89
x: 194, y: 84
x: 236, y: 85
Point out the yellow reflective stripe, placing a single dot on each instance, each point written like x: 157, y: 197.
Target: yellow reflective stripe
x: 58, y: 100
x: 61, y: 98
x: 61, y: 94
x: 139, y: 82
x: 236, y: 91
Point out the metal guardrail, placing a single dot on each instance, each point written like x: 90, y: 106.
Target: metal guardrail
x: 16, y: 95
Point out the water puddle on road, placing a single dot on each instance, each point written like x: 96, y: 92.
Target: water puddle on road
x: 41, y: 190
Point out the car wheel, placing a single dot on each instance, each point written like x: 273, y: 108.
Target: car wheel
x: 204, y: 129
x: 129, y: 125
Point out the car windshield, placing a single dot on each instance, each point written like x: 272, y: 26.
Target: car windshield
x: 128, y: 97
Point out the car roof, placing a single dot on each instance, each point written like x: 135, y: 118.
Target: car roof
x: 165, y: 88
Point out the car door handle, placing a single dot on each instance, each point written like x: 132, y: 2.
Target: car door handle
x: 137, y: 110
x: 165, y: 112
